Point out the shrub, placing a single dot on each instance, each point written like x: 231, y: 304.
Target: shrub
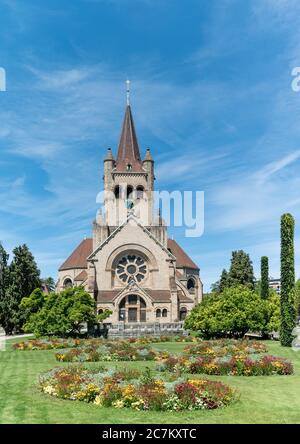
x: 231, y: 314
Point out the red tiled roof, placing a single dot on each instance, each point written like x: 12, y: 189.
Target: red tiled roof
x: 159, y: 295
x: 78, y: 258
x: 107, y: 296
x: 182, y: 259
x: 82, y: 276
x: 182, y: 297
x: 156, y: 295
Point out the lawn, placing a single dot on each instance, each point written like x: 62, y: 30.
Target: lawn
x: 269, y: 399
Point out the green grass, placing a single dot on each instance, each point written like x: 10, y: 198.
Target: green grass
x: 269, y: 399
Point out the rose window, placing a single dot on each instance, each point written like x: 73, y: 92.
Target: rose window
x: 131, y: 267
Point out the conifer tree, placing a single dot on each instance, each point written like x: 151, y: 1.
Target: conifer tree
x: 287, y: 280
x: 4, y: 282
x: 24, y: 277
x: 264, y: 276
x: 241, y: 270
x: 223, y: 283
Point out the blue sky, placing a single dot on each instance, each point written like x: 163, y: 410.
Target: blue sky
x: 211, y: 96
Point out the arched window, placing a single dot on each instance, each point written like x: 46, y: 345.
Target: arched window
x: 140, y: 192
x: 122, y: 310
x: 164, y: 313
x: 117, y: 192
x: 191, y: 285
x: 129, y: 193
x: 132, y: 308
x: 129, y: 167
x: 68, y: 283
x: 183, y: 313
x: 158, y: 313
x: 100, y: 311
x: 142, y: 310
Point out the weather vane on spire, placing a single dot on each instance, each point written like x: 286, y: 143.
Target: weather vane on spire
x: 128, y: 92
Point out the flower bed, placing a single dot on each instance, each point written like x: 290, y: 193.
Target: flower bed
x: 228, y: 365
x: 109, y: 351
x: 60, y: 343
x: 48, y: 344
x: 135, y: 390
x: 155, y: 339
x: 225, y: 347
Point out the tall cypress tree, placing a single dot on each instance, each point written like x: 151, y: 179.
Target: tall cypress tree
x: 24, y: 278
x: 264, y: 276
x: 4, y: 283
x: 287, y: 280
x: 241, y: 270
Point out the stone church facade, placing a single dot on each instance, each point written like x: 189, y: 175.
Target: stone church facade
x: 130, y: 266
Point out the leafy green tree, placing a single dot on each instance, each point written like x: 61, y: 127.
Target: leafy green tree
x: 5, y: 320
x: 241, y: 270
x: 63, y: 313
x: 102, y: 316
x: 33, y: 303
x: 288, y: 315
x: 264, y: 272
x: 232, y: 313
x: 24, y: 278
x: 272, y: 313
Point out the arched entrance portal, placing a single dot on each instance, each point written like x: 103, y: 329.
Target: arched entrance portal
x: 132, y: 308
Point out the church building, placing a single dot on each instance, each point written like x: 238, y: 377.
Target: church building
x: 130, y: 266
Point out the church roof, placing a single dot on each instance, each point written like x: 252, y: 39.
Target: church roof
x: 78, y: 259
x: 128, y: 152
x: 156, y: 295
x: 82, y: 276
x: 182, y: 259
x: 183, y: 298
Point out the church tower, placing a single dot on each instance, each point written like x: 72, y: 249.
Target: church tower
x: 130, y: 266
x: 128, y: 187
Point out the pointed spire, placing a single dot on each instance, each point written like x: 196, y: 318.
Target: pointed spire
x: 109, y: 155
x: 128, y: 158
x: 148, y: 155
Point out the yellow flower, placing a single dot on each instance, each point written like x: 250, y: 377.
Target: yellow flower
x: 50, y: 390
x: 119, y: 404
x: 98, y: 400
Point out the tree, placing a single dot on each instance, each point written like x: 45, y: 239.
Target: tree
x: 272, y: 313
x: 288, y: 314
x: 33, y: 304
x: 104, y: 315
x: 232, y: 313
x: 221, y: 284
x: 297, y: 297
x: 241, y: 270
x: 63, y: 313
x: 4, y: 300
x: 224, y: 281
x: 264, y: 273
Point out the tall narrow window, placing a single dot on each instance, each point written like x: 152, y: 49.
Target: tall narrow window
x: 140, y: 192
